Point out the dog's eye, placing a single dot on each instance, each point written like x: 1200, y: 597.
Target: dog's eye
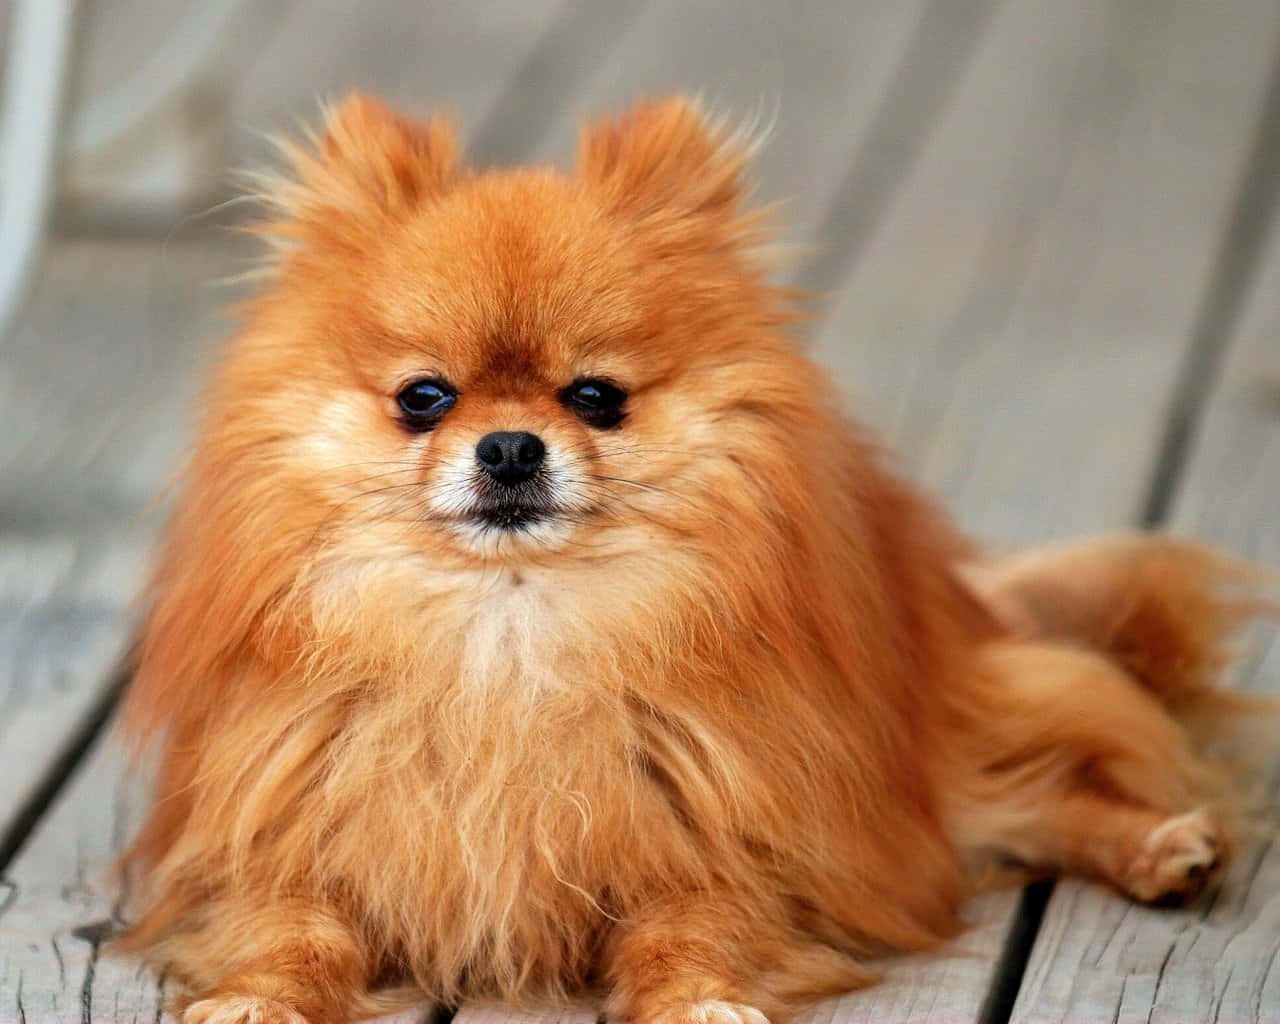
x: 595, y: 401
x: 424, y: 401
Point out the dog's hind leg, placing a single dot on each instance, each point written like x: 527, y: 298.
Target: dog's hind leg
x: 1064, y: 764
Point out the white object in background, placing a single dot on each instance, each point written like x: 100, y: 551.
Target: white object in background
x: 147, y: 140
x: 34, y: 86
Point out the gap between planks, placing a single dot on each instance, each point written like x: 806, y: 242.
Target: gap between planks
x: 79, y: 741
x: 1235, y: 271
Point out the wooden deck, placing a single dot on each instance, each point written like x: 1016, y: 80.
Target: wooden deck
x: 1046, y: 237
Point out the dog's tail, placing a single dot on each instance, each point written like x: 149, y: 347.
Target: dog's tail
x: 1165, y: 609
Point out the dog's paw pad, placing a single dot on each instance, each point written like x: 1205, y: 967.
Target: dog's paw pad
x: 241, y: 1010
x: 1178, y: 859
x: 711, y: 1011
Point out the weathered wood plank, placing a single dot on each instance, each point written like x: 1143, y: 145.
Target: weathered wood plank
x: 1027, y: 302
x: 459, y: 57
x: 480, y: 1014
x: 813, y: 72
x: 1018, y: 322
x: 97, y: 381
x: 273, y: 64
x: 50, y: 967
x: 1099, y: 957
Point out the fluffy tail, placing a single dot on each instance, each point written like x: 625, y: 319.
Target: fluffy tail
x: 1163, y: 608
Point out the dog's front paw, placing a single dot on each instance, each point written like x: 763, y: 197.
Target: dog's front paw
x: 1178, y: 858
x: 234, y: 1009
x: 709, y: 1011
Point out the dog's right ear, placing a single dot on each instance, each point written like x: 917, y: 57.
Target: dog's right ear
x: 393, y: 160
x: 371, y: 162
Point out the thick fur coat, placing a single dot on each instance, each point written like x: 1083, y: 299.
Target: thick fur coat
x: 731, y: 711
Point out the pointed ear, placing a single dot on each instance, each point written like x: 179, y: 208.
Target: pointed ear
x: 664, y: 155
x: 370, y: 159
x: 395, y: 159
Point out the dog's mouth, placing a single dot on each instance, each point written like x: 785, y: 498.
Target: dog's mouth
x: 511, y: 517
x: 536, y: 508
x: 513, y: 509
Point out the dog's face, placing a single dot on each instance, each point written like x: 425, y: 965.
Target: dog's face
x: 509, y: 387
x: 507, y: 365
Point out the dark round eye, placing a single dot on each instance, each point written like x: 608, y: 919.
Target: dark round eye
x: 424, y: 401
x: 595, y: 401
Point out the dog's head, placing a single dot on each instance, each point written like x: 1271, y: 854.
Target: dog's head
x: 501, y: 364
x: 456, y: 377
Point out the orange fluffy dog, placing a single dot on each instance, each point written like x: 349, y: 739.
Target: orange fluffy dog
x: 533, y: 625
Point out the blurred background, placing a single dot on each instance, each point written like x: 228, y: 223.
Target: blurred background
x: 1039, y: 238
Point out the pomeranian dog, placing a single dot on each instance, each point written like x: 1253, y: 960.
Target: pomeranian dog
x: 533, y: 627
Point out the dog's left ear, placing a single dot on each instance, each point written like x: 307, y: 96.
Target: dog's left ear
x: 663, y: 158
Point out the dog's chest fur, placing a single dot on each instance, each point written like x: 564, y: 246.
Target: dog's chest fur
x: 515, y: 794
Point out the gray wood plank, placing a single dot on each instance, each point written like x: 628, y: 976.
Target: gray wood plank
x: 1017, y: 323
x: 1016, y: 326
x: 277, y: 60
x: 1032, y: 147
x: 53, y: 925
x: 480, y: 1014
x: 98, y: 380
x: 458, y: 57
x: 1098, y: 957
x: 812, y: 72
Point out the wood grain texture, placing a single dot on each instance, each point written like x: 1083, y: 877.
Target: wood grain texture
x: 1013, y: 321
x: 996, y: 332
x: 421, y: 57
x: 97, y: 383
x: 480, y: 1014
x: 1018, y: 321
x: 813, y: 74
x: 61, y: 906
x: 1099, y: 957
x: 274, y: 64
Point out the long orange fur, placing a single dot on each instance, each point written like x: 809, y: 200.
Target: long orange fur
x: 754, y: 715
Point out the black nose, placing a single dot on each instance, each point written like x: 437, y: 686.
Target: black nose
x: 510, y: 456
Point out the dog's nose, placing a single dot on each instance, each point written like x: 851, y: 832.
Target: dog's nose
x: 510, y: 456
